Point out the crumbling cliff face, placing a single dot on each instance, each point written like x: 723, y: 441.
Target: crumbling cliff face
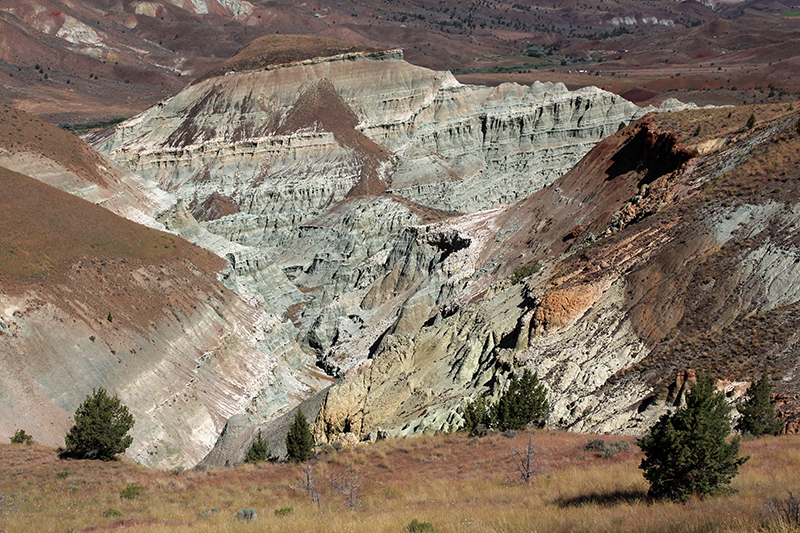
x: 319, y: 166
x: 647, y: 259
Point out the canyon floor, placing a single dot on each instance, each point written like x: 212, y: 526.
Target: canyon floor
x: 453, y: 482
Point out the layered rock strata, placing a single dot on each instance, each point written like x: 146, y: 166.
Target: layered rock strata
x: 607, y: 323
x: 321, y: 165
x: 89, y: 299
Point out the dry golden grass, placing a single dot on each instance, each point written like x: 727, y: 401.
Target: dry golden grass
x: 454, y: 482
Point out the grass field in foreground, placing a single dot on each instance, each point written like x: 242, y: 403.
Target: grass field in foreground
x: 453, y: 482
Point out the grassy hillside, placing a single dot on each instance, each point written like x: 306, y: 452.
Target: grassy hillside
x: 455, y: 483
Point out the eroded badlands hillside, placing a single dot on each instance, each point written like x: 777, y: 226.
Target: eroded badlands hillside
x: 662, y: 253
x: 403, y: 206
x: 89, y: 299
x: 421, y: 239
x: 321, y: 164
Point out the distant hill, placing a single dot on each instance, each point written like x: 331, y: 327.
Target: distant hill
x: 93, y: 60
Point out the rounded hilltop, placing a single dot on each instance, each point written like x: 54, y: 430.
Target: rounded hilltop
x: 272, y: 50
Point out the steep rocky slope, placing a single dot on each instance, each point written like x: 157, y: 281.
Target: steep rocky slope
x: 89, y: 299
x: 658, y: 253
x: 320, y: 164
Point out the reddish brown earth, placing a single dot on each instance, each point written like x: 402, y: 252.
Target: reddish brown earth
x: 21, y: 132
x: 71, y: 250
x: 668, y: 296
x: 731, y: 55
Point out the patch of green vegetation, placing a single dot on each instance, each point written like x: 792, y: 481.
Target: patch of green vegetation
x: 88, y: 126
x: 131, y: 491
x: 791, y: 14
x: 420, y: 527
x: 525, y: 271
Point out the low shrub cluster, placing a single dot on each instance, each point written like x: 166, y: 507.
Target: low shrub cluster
x: 20, y: 437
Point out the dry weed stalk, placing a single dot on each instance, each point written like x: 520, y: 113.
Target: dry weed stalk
x: 524, y: 460
x: 310, y: 482
x: 348, y: 484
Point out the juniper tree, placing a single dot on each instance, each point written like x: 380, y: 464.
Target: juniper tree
x: 688, y: 453
x: 299, y: 440
x: 524, y: 402
x: 20, y: 437
x: 258, y: 451
x: 758, y: 414
x: 475, y: 412
x: 101, y: 426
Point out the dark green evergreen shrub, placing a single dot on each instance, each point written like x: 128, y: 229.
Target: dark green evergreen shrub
x: 758, y: 414
x: 688, y: 453
x: 299, y: 440
x: 475, y: 413
x: 751, y: 122
x: 258, y: 451
x: 20, y: 437
x: 101, y: 427
x: 420, y: 527
x: 524, y: 402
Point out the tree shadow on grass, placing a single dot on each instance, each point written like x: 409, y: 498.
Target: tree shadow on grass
x: 607, y: 499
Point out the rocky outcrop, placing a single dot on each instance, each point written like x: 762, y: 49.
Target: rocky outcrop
x: 609, y: 324
x: 322, y: 171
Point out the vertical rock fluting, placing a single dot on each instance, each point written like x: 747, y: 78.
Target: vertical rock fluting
x: 615, y: 327
x: 305, y: 154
